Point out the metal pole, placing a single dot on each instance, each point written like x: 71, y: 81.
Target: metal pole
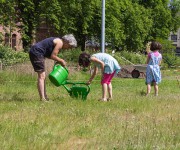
x: 103, y: 27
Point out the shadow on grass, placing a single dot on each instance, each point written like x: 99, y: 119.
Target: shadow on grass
x: 142, y: 93
x: 20, y: 97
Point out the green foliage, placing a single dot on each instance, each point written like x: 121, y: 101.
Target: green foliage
x: 175, y: 11
x: 29, y: 13
x: 171, y: 60
x: 137, y: 24
x: 114, y: 22
x: 130, y: 57
x: 7, y: 17
x: 8, y: 56
x: 167, y: 46
x: 130, y: 24
x: 168, y: 52
x: 161, y: 22
x: 52, y: 14
x: 2, y: 1
x: 70, y: 55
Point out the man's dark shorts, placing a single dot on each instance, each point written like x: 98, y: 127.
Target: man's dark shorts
x: 37, y: 62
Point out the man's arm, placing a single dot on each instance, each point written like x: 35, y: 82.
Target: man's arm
x: 58, y: 45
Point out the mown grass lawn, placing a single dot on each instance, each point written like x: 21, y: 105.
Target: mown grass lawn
x: 130, y: 121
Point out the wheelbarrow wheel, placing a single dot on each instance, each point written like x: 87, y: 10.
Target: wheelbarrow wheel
x: 135, y: 73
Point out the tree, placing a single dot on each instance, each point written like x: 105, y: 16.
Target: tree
x: 81, y: 19
x: 175, y: 12
x: 29, y: 13
x: 130, y: 24
x: 127, y: 24
x: 114, y: 23
x: 164, y: 16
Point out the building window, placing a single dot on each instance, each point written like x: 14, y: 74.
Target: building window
x: 10, y: 41
x: 178, y: 50
x: 6, y: 39
x: 174, y: 38
x: 14, y: 41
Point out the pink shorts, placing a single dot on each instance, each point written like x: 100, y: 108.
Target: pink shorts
x: 107, y: 78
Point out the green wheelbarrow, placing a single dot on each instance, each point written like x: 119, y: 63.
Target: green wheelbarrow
x: 58, y: 77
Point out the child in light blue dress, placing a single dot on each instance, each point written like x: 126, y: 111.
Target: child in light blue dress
x: 153, y: 72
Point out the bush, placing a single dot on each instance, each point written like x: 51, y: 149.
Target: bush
x: 70, y: 55
x: 125, y: 57
x: 8, y: 56
x: 171, y: 60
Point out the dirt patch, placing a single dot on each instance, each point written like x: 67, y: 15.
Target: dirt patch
x: 125, y: 71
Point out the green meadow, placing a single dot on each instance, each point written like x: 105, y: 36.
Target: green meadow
x: 130, y: 121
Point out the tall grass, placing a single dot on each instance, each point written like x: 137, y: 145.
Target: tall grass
x: 130, y: 121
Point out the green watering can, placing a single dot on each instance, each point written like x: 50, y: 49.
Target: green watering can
x: 58, y: 77
x: 77, y: 90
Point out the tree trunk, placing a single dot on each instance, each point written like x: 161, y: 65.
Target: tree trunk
x: 83, y: 43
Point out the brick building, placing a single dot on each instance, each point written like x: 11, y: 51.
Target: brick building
x: 12, y: 39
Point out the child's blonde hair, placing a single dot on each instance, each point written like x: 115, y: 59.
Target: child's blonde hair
x: 148, y: 45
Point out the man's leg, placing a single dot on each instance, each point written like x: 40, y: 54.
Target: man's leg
x: 41, y: 85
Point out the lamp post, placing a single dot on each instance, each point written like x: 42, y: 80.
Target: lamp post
x: 103, y: 27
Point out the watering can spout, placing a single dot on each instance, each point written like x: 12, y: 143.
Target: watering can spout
x: 67, y: 89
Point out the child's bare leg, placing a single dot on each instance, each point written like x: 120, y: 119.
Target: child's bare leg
x: 148, y: 89
x: 156, y: 89
x: 104, y: 91
x: 110, y: 90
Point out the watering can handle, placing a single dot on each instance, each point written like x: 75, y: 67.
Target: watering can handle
x: 67, y: 82
x: 84, y: 84
x: 74, y: 83
x: 55, y: 66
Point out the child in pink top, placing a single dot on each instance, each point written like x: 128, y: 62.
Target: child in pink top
x: 153, y: 72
